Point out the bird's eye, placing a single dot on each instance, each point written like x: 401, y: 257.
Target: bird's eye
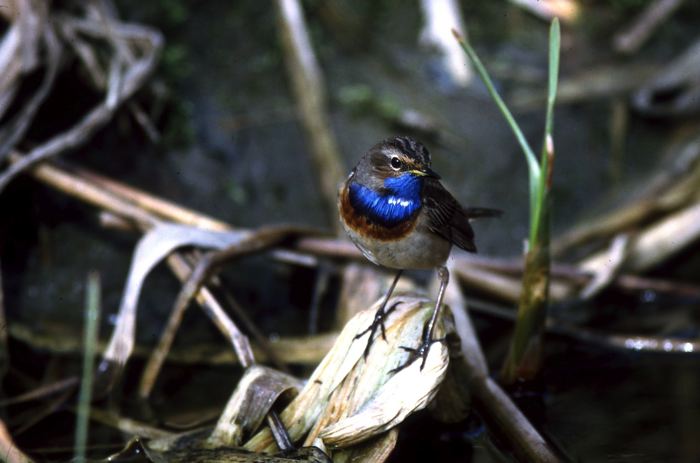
x: 395, y: 163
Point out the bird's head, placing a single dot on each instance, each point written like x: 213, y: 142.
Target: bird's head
x: 395, y: 160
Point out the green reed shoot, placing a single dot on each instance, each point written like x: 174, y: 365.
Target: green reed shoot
x: 92, y: 316
x: 524, y: 354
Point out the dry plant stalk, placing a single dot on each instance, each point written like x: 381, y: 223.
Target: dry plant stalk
x: 439, y: 18
x: 499, y: 279
x: 468, y: 378
x: 309, y: 92
x: 253, y: 398
x: 127, y: 425
x: 19, y: 49
x: 134, y: 51
x: 630, y: 39
x: 673, y: 187
x: 348, y: 399
x: 306, y: 350
x: 656, y: 243
x: 672, y: 218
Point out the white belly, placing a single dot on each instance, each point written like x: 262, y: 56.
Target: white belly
x: 421, y: 249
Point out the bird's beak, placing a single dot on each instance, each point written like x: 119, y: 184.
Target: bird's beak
x: 427, y: 172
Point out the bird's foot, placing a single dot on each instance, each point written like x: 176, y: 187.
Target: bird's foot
x: 377, y: 323
x: 420, y: 352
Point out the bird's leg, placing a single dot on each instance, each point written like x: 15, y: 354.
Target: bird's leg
x: 379, y: 317
x: 427, y: 337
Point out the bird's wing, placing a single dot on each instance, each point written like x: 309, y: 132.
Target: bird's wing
x: 448, y: 218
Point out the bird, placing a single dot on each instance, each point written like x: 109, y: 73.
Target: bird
x: 395, y: 210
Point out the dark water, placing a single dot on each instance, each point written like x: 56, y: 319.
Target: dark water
x: 247, y: 163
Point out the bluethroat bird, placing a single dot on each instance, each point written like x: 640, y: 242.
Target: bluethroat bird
x: 396, y: 211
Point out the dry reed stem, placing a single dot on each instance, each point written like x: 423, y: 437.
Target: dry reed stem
x: 244, y: 244
x: 439, y: 18
x: 648, y: 344
x: 574, y: 276
x: 43, y: 391
x: 630, y: 39
x: 16, y: 128
x: 655, y: 244
x: 93, y: 194
x: 19, y: 48
x: 674, y: 197
x: 307, y: 350
x: 309, y: 92
x: 375, y: 451
x: 490, y: 276
x: 348, y: 400
x: 254, y: 396
x: 472, y: 379
x: 109, y: 198
x: 127, y: 425
x: 124, y: 80
x: 164, y: 209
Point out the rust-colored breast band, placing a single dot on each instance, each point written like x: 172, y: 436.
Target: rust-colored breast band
x: 361, y: 224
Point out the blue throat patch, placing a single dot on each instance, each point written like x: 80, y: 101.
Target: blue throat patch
x: 400, y: 202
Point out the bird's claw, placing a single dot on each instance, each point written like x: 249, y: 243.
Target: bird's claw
x: 378, y: 322
x: 420, y: 352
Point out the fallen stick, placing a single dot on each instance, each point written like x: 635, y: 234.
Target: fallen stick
x: 630, y: 39
x: 307, y: 350
x: 498, y: 277
x: 492, y: 403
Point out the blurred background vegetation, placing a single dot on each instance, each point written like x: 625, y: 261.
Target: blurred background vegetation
x: 230, y: 143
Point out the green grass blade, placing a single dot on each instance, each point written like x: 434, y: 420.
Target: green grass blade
x: 92, y: 316
x: 525, y: 352
x: 533, y: 166
x: 554, y: 44
x: 547, y: 144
